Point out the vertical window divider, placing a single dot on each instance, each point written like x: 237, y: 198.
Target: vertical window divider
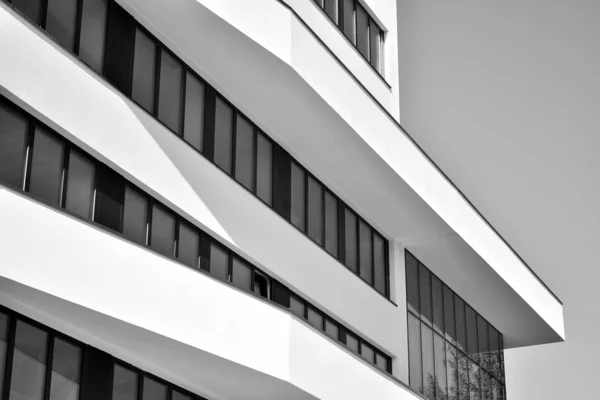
x: 65, y: 175
x: 357, y: 245
x: 305, y: 199
x: 252, y: 278
x: 49, y: 359
x: 341, y: 232
x: 323, y: 216
x: 43, y: 14
x: 176, y: 243
x: 140, y: 384
x: 229, y: 264
x: 183, y: 99
x: 29, y: 155
x: 156, y: 88
x: 10, y: 351
x: 78, y: 20
x: 373, y: 267
x: 97, y: 166
x: 149, y: 221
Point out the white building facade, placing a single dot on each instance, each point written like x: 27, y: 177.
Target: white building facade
x: 214, y: 199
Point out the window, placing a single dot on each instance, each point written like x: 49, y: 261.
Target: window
x: 135, y: 216
x: 162, y: 231
x: 188, y: 245
x: 331, y: 224
x: 366, y: 252
x: 351, y: 240
x: 375, y: 46
x: 452, y: 368
x: 179, y: 396
x: 46, y: 167
x: 119, y: 47
x: 438, y: 304
x: 223, y: 135
x: 461, y: 332
x: 315, y: 210
x: 244, y: 153
x: 3, y: 346
x: 29, y: 363
x: 32, y: 9
x: 66, y: 371
x: 425, y: 292
x: 13, y: 142
x: 362, y: 31
x: 474, y: 381
x: 450, y: 327
x: 297, y: 306
x: 315, y: 318
x: 125, y: 384
x: 472, y: 344
x: 349, y: 26
x: 332, y: 329
x: 414, y: 353
x: 261, y: 285
x: 93, y: 33
x: 264, y: 169
x: 169, y: 93
x: 241, y: 275
x: 367, y: 352
x: 428, y: 362
x: 412, y: 284
x: 379, y: 264
x: 439, y: 351
x: 154, y: 390
x: 110, y: 193
x: 61, y: 20
x: 463, y: 374
x: 352, y: 342
x: 331, y: 8
x: 80, y: 185
x: 219, y: 263
x: 144, y: 66
x: 193, y: 129
x: 298, y: 197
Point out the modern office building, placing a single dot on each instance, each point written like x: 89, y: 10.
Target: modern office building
x: 214, y: 199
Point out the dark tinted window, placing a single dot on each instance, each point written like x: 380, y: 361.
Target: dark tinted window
x: 223, y: 135
x: 219, y: 262
x: 125, y: 384
x: 80, y: 185
x: 452, y: 368
x: 120, y: 45
x: 180, y: 396
x: 362, y: 31
x: 463, y: 375
x: 66, y: 370
x: 46, y: 167
x: 438, y: 304
x: 366, y: 252
x: 379, y: 257
x: 162, y: 231
x: 135, y: 216
x: 30, y: 8
x: 244, y: 152
x: 351, y: 240
x: 297, y: 307
x: 154, y: 390
x: 169, y: 92
x: 144, y: 66
x: 315, y: 318
x: 331, y: 224
x: 29, y: 363
x: 439, y: 351
x: 298, y: 196
x: 474, y: 381
x: 381, y: 362
x: 241, y: 275
x: 261, y: 287
x: 428, y: 362
x: 60, y: 21
x: 483, y: 337
x: 331, y: 8
x: 414, y: 353
x: 375, y: 45
x: 332, y: 329
x: 315, y: 210
x: 367, y: 352
x: 349, y: 20
x: 264, y: 169
x: 193, y: 130
x: 188, y: 245
x: 93, y: 33
x: 352, y: 342
x: 3, y: 346
x: 110, y: 193
x: 495, y: 368
x: 13, y: 140
x: 425, y: 293
x: 461, y: 327
x: 472, y: 344
x: 449, y: 325
x: 412, y: 283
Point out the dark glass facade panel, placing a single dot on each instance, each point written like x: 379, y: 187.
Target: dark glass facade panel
x: 428, y: 362
x: 315, y: 318
x: 144, y: 67
x: 193, y: 129
x: 135, y: 216
x: 380, y: 362
x: 244, y: 153
x: 332, y: 8
x: 487, y: 389
x: 452, y: 368
x: 46, y: 167
x: 439, y: 351
x: 162, y: 231
x: 463, y: 376
x: 414, y: 353
x: 331, y: 224
x: 349, y: 20
x: 315, y: 210
x: 483, y: 340
x: 66, y: 371
x: 219, y: 263
x: 461, y: 324
x: 438, y: 304
x: 3, y: 346
x: 241, y: 275
x: 365, y: 252
x: 120, y: 45
x: 474, y: 381
x: 29, y: 363
x: 297, y: 307
x: 264, y: 169
x: 332, y: 329
x: 379, y: 264
x: 261, y: 287
x: 375, y: 46
x: 425, y: 293
x: 61, y: 20
x: 180, y: 396
x: 494, y: 352
x: 352, y: 342
x: 223, y: 135
x: 412, y: 284
x: 362, y: 31
x: 32, y: 9
x: 472, y: 344
x: 298, y: 197
x: 110, y: 197
x: 154, y: 390
x: 351, y: 240
x: 13, y: 141
x: 93, y: 33
x: 170, y: 91
x: 449, y: 324
x: 188, y: 245
x: 80, y: 185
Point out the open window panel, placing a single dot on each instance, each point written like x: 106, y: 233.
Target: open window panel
x: 261, y: 285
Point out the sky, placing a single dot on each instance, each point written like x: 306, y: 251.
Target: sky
x: 504, y: 95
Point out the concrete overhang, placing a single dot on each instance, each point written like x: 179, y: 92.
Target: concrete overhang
x: 269, y: 63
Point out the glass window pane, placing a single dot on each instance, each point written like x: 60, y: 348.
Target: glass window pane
x: 428, y: 362
x: 487, y: 390
x: 223, y: 135
x: 438, y: 304
x: 219, y: 263
x: 366, y: 252
x: 484, y: 346
x: 180, y: 396
x: 193, y: 130
x: 154, y: 390
x: 351, y: 240
x: 60, y: 21
x: 381, y: 362
x: 241, y: 275
x: 425, y: 292
x: 297, y: 307
x: 414, y: 354
x: 80, y: 185
x: 144, y: 66
x: 331, y: 8
x: 264, y: 169
x: 244, y: 153
x: 367, y: 352
x: 135, y: 216
x: 349, y: 20
x: 461, y: 327
x: 439, y: 351
x: 29, y: 8
x: 332, y: 329
x: 298, y: 197
x: 412, y: 283
x: 331, y: 224
x: 66, y: 370
x: 379, y: 257
x: 261, y: 285
x: 474, y: 381
x: 110, y: 193
x: 315, y: 318
x: 163, y: 231
x: 463, y: 376
x: 29, y: 363
x: 452, y: 367
x: 362, y: 31
x: 375, y: 45
x: 188, y: 245
x: 125, y: 384
x: 93, y: 33
x: 315, y: 210
x: 449, y: 326
x: 169, y: 92
x: 321, y: 3
x: 472, y: 344
x: 352, y: 342
x: 3, y: 346
x: 46, y: 167
x: 494, y: 352
x: 13, y: 142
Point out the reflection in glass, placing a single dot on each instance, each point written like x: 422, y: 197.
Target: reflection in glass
x: 188, y: 245
x: 452, y: 368
x: 414, y: 353
x: 474, y: 381
x: 193, y: 129
x: 162, y: 231
x: 29, y: 363
x: 298, y: 197
x: 439, y: 351
x: 60, y: 21
x: 13, y: 139
x: 428, y: 362
x: 241, y: 275
x: 46, y: 167
x: 144, y: 65
x: 351, y: 240
x: 154, y: 390
x: 219, y: 263
x: 93, y: 33
x: 463, y: 376
x: 66, y: 370
x: 80, y: 185
x: 264, y: 169
x: 315, y: 210
x: 472, y: 344
x: 223, y: 135
x: 125, y: 384
x: 135, y: 216
x: 366, y: 252
x: 169, y: 93
x: 331, y: 224
x: 244, y: 153
x: 484, y: 346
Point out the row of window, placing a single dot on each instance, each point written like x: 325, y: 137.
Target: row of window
x: 454, y: 353
x: 37, y: 363
x: 357, y: 25
x: 110, y: 41
x: 50, y: 169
